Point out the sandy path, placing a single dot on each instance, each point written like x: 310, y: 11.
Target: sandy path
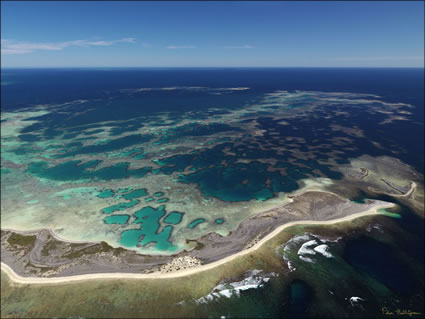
x: 186, y: 272
x: 412, y: 188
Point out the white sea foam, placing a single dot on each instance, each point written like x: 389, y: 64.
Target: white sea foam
x: 354, y: 300
x: 228, y: 290
x: 307, y: 259
x: 291, y: 266
x: 313, y: 245
x: 324, y: 250
x: 305, y: 248
x: 290, y: 244
x: 187, y: 88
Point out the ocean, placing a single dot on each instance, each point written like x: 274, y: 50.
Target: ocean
x: 345, y: 116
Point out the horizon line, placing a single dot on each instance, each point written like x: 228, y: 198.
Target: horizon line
x: 210, y: 67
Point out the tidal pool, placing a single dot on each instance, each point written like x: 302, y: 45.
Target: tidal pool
x: 173, y: 218
x: 196, y: 222
x: 106, y: 194
x: 135, y: 194
x: 148, y: 218
x: 116, y: 219
x: 120, y: 206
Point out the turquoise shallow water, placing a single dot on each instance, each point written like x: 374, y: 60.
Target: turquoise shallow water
x: 117, y: 219
x: 106, y: 194
x: 148, y: 218
x: 125, y: 190
x: 173, y: 218
x: 136, y: 194
x: 196, y: 222
x: 75, y: 143
x: 74, y: 171
x: 120, y: 206
x: 5, y: 171
x: 219, y: 221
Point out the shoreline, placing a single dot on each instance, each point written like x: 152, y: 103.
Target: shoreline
x: 287, y: 199
x: 14, y: 277
x: 408, y: 193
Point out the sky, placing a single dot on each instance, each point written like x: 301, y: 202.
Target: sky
x: 212, y: 34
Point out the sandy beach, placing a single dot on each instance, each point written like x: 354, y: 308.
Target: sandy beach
x: 186, y: 272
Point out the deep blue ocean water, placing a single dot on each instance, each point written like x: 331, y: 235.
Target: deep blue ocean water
x: 51, y: 86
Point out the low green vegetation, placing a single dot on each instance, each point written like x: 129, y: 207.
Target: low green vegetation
x: 100, y: 248
x: 51, y: 245
x: 21, y: 240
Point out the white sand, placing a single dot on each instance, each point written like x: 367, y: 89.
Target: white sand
x: 186, y: 272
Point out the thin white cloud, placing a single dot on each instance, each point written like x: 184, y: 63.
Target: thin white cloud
x: 380, y: 58
x: 246, y: 46
x: 174, y: 47
x: 15, y: 47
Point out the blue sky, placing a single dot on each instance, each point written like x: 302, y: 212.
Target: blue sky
x: 212, y: 34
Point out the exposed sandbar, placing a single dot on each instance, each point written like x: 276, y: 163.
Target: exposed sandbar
x: 186, y: 272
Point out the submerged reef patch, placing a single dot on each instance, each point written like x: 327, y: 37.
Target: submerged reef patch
x: 74, y: 171
x: 111, y: 145
x: 216, y: 154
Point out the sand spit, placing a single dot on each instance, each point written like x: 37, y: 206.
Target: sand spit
x: 388, y: 176
x: 42, y: 254
x: 189, y: 271
x: 407, y: 194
